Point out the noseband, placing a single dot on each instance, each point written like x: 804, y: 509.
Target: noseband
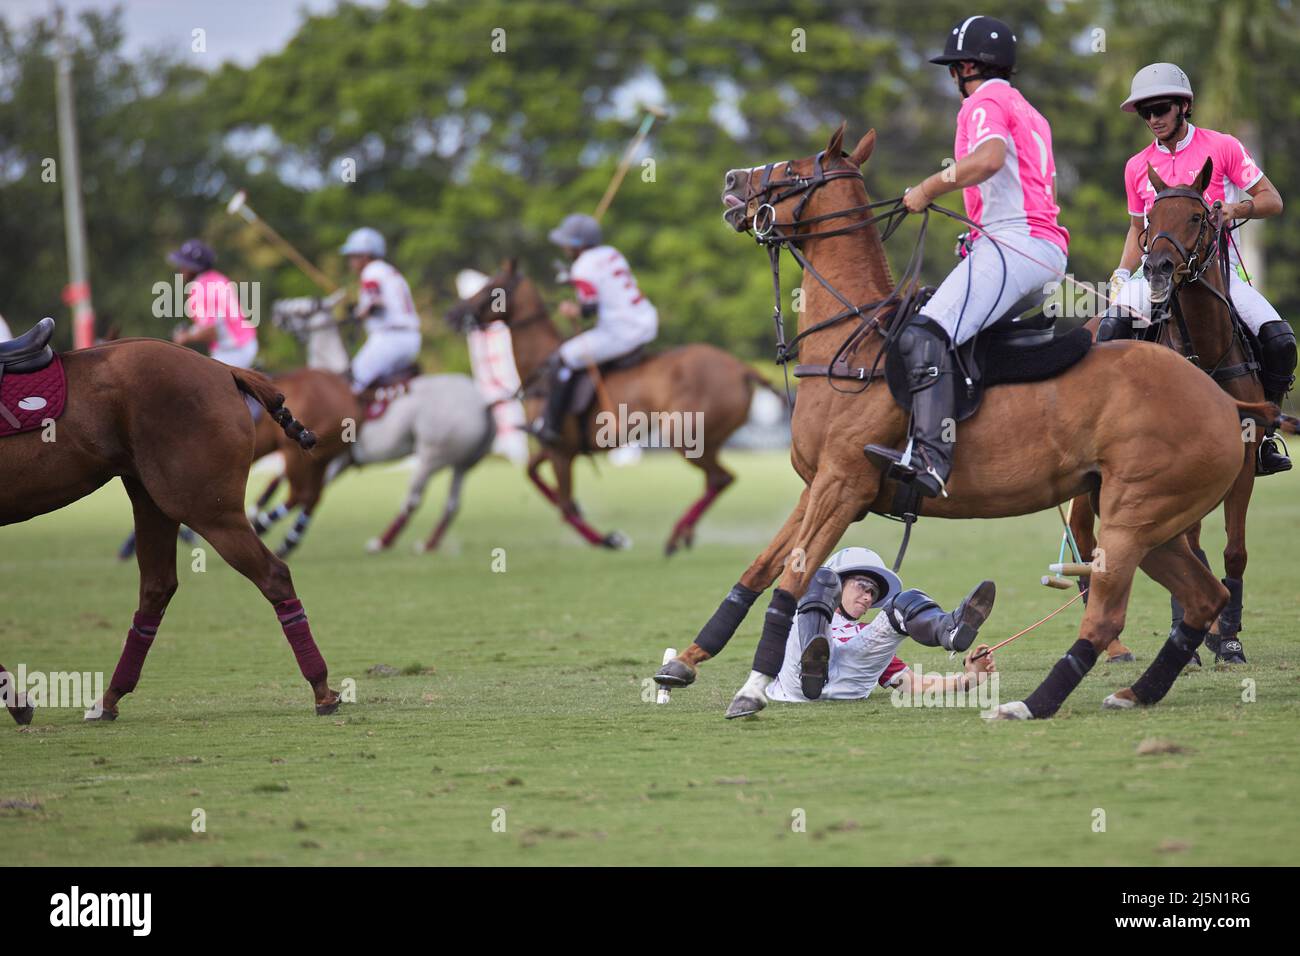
x: 1191, y: 270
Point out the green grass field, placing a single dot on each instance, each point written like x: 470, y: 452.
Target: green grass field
x: 520, y: 701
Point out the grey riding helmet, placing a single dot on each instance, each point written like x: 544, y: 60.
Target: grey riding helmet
x: 1157, y: 80
x: 364, y: 242
x: 578, y: 231
x: 867, y: 562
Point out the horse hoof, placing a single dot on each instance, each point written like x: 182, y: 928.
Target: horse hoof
x: 1125, y: 658
x: 1016, y: 710
x: 374, y: 546
x: 670, y: 549
x: 616, y: 541
x: 743, y: 705
x: 1117, y: 702
x: 1230, y: 651
x: 676, y: 674
x: 329, y: 707
x: 23, y: 715
x: 98, y: 714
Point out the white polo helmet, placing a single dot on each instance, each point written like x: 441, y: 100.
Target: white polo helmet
x: 865, y: 561
x: 364, y: 242
x: 1158, y: 79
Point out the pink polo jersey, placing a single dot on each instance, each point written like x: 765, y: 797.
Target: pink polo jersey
x: 213, y: 301
x: 1018, y: 197
x: 1234, y: 169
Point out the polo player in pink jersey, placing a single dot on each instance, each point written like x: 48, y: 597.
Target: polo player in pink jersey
x: 212, y: 304
x: 1162, y: 95
x: 1005, y: 169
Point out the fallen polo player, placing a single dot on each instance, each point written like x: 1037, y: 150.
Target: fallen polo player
x: 848, y: 659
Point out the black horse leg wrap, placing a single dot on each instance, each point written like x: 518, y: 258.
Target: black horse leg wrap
x: 1169, y: 663
x: 1062, y: 679
x: 718, y: 630
x: 776, y: 631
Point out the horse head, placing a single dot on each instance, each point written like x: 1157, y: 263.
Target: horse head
x: 303, y: 315
x: 789, y: 195
x: 509, y: 296
x: 1181, y: 234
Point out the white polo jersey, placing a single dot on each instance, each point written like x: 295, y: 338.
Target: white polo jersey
x: 385, y: 300
x: 602, y: 277
x: 862, y: 659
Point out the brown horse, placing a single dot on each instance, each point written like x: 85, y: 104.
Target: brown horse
x: 174, y: 427
x: 326, y: 404
x: 1030, y: 446
x: 1204, y: 335
x: 696, y: 382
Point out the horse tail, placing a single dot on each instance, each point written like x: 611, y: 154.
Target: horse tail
x: 259, y: 388
x: 1262, y: 413
x: 759, y: 380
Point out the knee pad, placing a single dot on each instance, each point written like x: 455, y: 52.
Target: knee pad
x: 906, y: 605
x: 818, y: 604
x: 823, y: 594
x: 1277, y: 341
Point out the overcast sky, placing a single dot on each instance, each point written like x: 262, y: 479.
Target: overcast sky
x: 238, y: 30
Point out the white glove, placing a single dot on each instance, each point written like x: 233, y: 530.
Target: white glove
x: 1117, y: 280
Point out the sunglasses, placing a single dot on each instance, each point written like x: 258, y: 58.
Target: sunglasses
x: 1151, y: 110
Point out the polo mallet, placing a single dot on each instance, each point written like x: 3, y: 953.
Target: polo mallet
x: 238, y: 206
x: 652, y: 113
x: 985, y: 653
x: 1058, y: 573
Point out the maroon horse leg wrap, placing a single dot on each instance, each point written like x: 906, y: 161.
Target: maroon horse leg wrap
x: 144, y: 628
x: 293, y: 619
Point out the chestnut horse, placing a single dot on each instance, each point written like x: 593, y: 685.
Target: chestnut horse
x: 1204, y: 334
x: 174, y: 427
x: 693, y: 380
x: 1029, y: 447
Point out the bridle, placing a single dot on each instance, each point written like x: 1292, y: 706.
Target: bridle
x: 775, y: 235
x: 1205, y: 251
x: 1189, y: 271
x: 873, y: 317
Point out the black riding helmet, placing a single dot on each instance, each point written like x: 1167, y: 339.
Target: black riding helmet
x: 984, y: 40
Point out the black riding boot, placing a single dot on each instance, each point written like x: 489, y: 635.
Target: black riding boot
x: 559, y: 390
x: 927, y: 353
x: 1277, y: 342
x: 915, y: 614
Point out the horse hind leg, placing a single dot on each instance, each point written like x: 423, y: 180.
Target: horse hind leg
x: 449, y: 510
x: 716, y: 481
x: 156, y: 556
x: 1179, y: 569
x: 1103, y: 620
x: 1082, y: 520
x: 244, y: 551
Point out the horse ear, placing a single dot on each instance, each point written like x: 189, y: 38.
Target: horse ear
x: 1156, y: 181
x: 862, y: 151
x: 1203, y: 178
x: 509, y: 265
x: 836, y: 145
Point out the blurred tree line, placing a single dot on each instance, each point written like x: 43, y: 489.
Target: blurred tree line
x: 464, y: 131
